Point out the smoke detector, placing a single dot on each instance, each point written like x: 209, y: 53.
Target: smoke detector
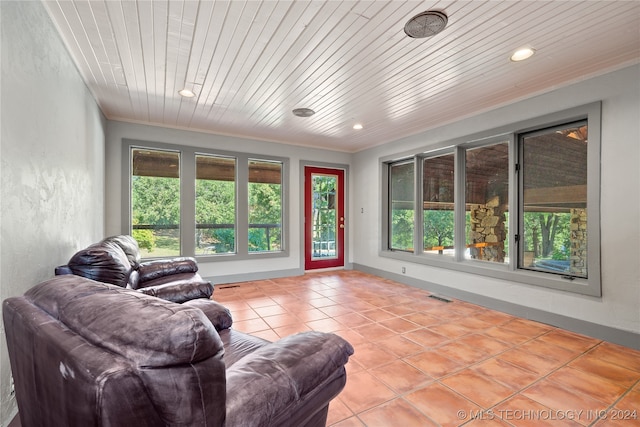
x: 425, y: 24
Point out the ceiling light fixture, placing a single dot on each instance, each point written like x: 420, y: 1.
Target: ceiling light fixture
x: 357, y: 126
x: 425, y: 24
x: 186, y: 93
x: 303, y: 112
x: 522, y: 54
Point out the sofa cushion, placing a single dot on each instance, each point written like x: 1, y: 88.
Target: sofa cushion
x: 177, y: 288
x: 104, y: 262
x: 152, y: 270
x: 148, y: 331
x: 238, y: 344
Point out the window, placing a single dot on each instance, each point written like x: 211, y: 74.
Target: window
x: 188, y: 201
x: 487, y: 202
x: 265, y: 206
x: 215, y: 205
x: 401, y: 189
x: 518, y: 203
x: 553, y: 212
x: 155, y: 201
x: 438, y: 207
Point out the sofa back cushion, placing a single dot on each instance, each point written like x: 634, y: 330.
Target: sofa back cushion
x: 61, y: 379
x: 146, y: 330
x: 104, y: 262
x: 129, y: 246
x: 153, y: 362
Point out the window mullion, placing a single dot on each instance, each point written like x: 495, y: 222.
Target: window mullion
x: 517, y: 171
x: 514, y: 202
x: 418, y: 232
x: 242, y: 205
x: 187, y: 202
x: 459, y: 210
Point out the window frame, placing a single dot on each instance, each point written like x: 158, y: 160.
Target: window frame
x: 488, y: 142
x: 590, y: 286
x: 420, y: 195
x: 235, y: 225
x: 265, y: 159
x: 521, y: 241
x: 188, y: 194
x: 400, y: 162
x: 131, y: 170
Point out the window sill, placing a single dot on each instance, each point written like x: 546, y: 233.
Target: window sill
x: 589, y: 287
x: 240, y: 257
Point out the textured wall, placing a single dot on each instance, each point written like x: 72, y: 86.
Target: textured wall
x: 52, y: 160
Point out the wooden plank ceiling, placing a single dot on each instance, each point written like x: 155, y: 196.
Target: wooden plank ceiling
x: 250, y: 63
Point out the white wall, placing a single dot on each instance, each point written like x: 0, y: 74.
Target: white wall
x: 52, y: 160
x: 117, y: 131
x: 620, y: 203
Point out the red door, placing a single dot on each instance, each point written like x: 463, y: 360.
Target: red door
x: 324, y: 218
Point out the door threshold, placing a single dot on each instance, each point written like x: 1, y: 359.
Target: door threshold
x: 320, y: 270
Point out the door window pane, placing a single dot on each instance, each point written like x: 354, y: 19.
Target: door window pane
x: 554, y: 203
x: 155, y: 201
x: 401, y: 195
x: 324, y: 214
x: 215, y: 205
x: 265, y: 206
x: 438, y: 192
x: 487, y: 202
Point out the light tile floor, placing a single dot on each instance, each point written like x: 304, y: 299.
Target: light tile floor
x: 422, y: 362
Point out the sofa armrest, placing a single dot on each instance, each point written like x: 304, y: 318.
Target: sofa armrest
x: 62, y: 270
x: 218, y: 314
x: 152, y: 270
x: 180, y: 290
x: 288, y: 380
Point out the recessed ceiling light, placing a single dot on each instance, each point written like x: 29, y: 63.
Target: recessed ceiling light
x: 186, y: 93
x: 303, y: 112
x: 522, y: 54
x: 357, y: 126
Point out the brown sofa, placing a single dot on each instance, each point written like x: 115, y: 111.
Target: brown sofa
x: 116, y: 260
x: 85, y: 353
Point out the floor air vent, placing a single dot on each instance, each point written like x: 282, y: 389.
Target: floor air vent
x: 439, y: 298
